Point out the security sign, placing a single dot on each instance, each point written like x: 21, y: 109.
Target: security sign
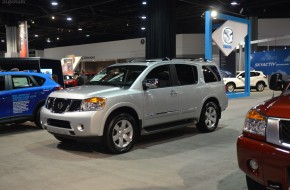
x: 229, y: 35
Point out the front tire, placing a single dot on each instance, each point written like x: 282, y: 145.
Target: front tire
x: 231, y: 87
x: 209, y: 118
x: 260, y: 86
x: 253, y: 185
x: 120, y: 134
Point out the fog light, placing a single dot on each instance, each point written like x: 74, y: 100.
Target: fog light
x: 254, y: 164
x: 81, y: 128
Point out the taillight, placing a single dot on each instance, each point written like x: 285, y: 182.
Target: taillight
x: 255, y: 125
x: 58, y: 88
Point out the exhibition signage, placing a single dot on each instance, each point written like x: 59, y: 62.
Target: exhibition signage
x: 229, y: 35
x: 23, y: 39
x: 271, y: 61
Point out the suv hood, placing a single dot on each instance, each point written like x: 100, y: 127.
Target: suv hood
x: 86, y: 91
x: 276, y: 107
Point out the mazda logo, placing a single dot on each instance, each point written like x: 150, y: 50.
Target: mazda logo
x: 228, y: 35
x: 60, y: 105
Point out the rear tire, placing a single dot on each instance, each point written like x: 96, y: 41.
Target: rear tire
x: 37, y: 121
x: 209, y: 118
x: 121, y: 133
x: 253, y: 185
x: 260, y: 86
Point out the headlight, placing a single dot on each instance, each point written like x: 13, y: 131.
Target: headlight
x: 255, y: 123
x: 93, y: 104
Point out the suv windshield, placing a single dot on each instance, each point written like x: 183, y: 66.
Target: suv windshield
x: 117, y: 75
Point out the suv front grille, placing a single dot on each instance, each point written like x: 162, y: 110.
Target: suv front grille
x: 60, y: 105
x: 285, y: 131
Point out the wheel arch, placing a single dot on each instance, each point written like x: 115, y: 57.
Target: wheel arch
x: 38, y: 106
x: 124, y: 109
x: 215, y: 100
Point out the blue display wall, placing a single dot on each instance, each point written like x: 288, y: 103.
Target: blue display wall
x: 271, y: 61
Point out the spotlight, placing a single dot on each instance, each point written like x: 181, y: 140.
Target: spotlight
x: 213, y: 14
x: 54, y: 3
x: 69, y: 18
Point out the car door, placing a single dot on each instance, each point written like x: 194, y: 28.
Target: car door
x: 240, y: 80
x: 190, y: 95
x: 5, y: 99
x: 25, y: 95
x: 160, y: 103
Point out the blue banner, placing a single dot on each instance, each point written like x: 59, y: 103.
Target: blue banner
x: 271, y: 61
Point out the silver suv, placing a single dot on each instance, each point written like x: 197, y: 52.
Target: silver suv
x: 126, y: 100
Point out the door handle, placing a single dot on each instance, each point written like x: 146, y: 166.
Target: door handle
x: 173, y: 92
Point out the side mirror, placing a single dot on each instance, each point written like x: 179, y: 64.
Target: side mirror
x: 150, y: 84
x: 276, y: 82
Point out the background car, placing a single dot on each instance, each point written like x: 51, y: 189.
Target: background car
x: 258, y: 81
x: 22, y: 94
x: 69, y: 81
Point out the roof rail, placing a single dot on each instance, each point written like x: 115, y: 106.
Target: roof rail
x: 201, y: 60
x: 166, y: 59
x: 136, y: 60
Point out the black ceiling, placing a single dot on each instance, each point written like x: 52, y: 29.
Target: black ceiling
x: 107, y: 20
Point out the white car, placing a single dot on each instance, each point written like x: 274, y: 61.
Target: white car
x: 257, y: 80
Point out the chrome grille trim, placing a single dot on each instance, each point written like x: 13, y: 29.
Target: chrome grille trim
x: 273, y: 132
x: 61, y: 105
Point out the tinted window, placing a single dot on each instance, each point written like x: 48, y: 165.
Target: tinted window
x: 40, y: 81
x: 211, y: 74
x: 162, y: 73
x: 186, y: 74
x: 2, y: 83
x: 253, y: 74
x: 21, y: 82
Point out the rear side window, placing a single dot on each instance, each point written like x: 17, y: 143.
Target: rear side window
x: 2, y: 83
x: 211, y: 74
x: 21, y: 82
x: 40, y: 81
x: 187, y: 74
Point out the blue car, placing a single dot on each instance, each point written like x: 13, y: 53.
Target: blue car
x: 22, y: 94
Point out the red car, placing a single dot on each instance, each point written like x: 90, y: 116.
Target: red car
x: 69, y: 81
x: 263, y: 149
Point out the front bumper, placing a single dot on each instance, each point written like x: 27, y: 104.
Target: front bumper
x: 274, y: 162
x: 73, y: 124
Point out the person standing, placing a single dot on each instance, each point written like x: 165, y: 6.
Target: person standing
x: 82, y: 79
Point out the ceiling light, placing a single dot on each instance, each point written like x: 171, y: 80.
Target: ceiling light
x: 80, y: 29
x: 32, y: 21
x: 48, y: 40
x: 143, y: 28
x: 213, y: 14
x: 144, y: 3
x: 36, y: 35
x: 87, y: 35
x: 52, y: 17
x: 69, y: 18
x: 57, y: 38
x: 234, y: 3
x: 2, y: 41
x: 143, y: 17
x: 54, y: 3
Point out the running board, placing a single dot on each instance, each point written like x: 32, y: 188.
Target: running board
x: 166, y: 127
